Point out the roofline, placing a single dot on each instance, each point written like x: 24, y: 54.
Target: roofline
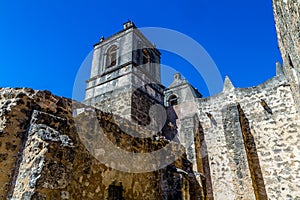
x: 133, y: 28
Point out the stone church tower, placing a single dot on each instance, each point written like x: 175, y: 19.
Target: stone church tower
x: 125, y: 75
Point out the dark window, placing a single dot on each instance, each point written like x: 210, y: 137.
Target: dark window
x: 146, y: 56
x: 111, y: 59
x: 115, y: 192
x: 173, y: 100
x: 139, y: 53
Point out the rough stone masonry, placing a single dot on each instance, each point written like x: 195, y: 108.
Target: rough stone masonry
x: 43, y: 157
x: 242, y: 143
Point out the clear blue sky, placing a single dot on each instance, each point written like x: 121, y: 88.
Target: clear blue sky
x: 43, y: 43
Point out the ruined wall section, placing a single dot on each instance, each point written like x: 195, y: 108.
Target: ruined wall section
x: 227, y: 159
x: 275, y: 126
x: 265, y: 119
x: 13, y: 125
x: 58, y: 166
x: 287, y: 20
x: 44, y: 157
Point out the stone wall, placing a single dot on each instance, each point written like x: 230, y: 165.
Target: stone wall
x: 251, y: 136
x: 287, y: 20
x: 44, y: 157
x: 13, y: 125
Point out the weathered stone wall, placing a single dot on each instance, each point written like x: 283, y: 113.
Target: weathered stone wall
x: 118, y: 102
x: 230, y: 175
x: 13, y: 125
x: 251, y: 136
x: 44, y: 157
x: 134, y: 104
x: 287, y: 20
x: 102, y: 85
x: 49, y: 161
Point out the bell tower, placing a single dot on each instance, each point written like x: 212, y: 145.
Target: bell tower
x: 125, y: 75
